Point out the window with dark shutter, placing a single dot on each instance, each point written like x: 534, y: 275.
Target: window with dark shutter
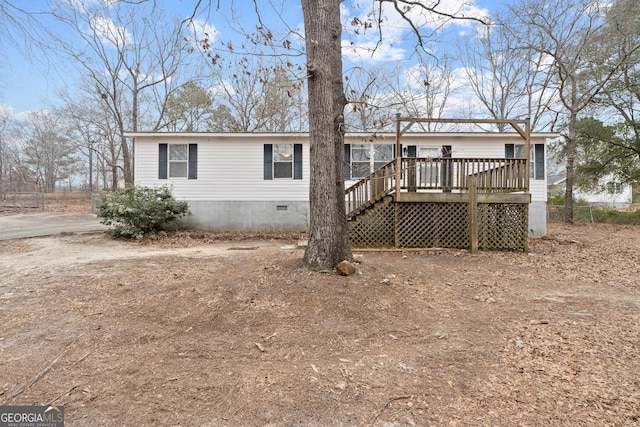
x: 193, y: 161
x: 297, y: 161
x: 268, y: 161
x: 282, y: 161
x: 536, y: 158
x: 163, y: 161
x: 509, y: 151
x: 347, y: 161
x: 514, y: 151
x: 539, y: 161
x: 178, y: 161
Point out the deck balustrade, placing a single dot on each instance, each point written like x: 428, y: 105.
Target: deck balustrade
x: 448, y: 175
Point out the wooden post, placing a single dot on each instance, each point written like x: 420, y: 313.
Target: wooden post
x: 398, y: 156
x: 473, y: 214
x: 527, y: 151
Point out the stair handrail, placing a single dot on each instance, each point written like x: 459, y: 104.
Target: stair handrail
x: 370, y: 189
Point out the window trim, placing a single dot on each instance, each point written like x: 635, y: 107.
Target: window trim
x: 371, y: 160
x: 164, y: 161
x: 269, y: 163
x: 278, y: 163
x: 173, y: 162
x: 537, y: 169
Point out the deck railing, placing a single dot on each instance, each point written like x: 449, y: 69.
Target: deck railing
x: 370, y: 189
x: 438, y: 174
x: 492, y: 175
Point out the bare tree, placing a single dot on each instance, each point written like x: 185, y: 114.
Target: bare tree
x: 328, y: 232
x: 4, y: 117
x: 283, y: 107
x: 425, y: 91
x: 509, y: 81
x: 254, y: 94
x: 609, y: 142
x: 20, y: 25
x: 574, y: 36
x: 47, y: 149
x: 131, y: 56
x: 369, y: 100
x: 622, y: 93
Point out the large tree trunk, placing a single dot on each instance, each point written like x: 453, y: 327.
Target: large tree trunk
x: 328, y: 232
x: 571, y: 158
x: 127, y: 171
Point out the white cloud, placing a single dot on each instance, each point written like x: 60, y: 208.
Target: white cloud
x: 109, y: 32
x: 6, y: 112
x: 31, y: 116
x: 200, y: 31
x: 393, y: 38
x: 224, y: 88
x: 83, y: 5
x: 372, y: 51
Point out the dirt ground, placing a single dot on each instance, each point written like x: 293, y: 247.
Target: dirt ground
x: 204, y: 330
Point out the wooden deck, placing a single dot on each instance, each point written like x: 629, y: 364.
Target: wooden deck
x: 448, y: 202
x: 439, y: 179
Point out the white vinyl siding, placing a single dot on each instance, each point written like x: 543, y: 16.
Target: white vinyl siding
x: 488, y: 145
x: 231, y: 166
x: 229, y: 169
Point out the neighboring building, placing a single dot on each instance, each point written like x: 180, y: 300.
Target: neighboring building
x: 609, y: 193
x: 260, y: 181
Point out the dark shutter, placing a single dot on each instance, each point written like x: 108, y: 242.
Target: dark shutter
x: 509, y: 151
x: 446, y: 174
x: 347, y: 161
x: 297, y: 161
x: 163, y: 161
x: 539, y: 154
x: 193, y: 161
x: 268, y: 161
x: 412, y: 151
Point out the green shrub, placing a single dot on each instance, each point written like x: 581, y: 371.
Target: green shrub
x: 613, y: 216
x: 138, y: 212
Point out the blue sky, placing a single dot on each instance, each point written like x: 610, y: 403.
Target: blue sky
x: 34, y: 84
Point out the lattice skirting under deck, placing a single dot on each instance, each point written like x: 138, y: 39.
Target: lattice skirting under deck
x: 435, y: 224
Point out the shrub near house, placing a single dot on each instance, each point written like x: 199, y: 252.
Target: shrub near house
x: 138, y: 212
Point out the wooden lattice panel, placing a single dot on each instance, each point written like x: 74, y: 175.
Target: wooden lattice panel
x: 440, y: 224
x: 374, y: 228
x: 503, y: 226
x: 425, y: 225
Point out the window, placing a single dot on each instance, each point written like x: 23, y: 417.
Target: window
x: 178, y: 158
x: 614, y: 187
x: 514, y: 151
x: 178, y: 161
x: 362, y: 159
x: 429, y: 152
x: 537, y: 159
x: 282, y: 161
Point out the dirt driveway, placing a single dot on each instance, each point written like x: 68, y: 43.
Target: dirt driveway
x: 47, y: 224
x: 192, y: 330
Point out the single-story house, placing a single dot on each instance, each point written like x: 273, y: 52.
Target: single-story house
x: 260, y: 181
x: 608, y: 193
